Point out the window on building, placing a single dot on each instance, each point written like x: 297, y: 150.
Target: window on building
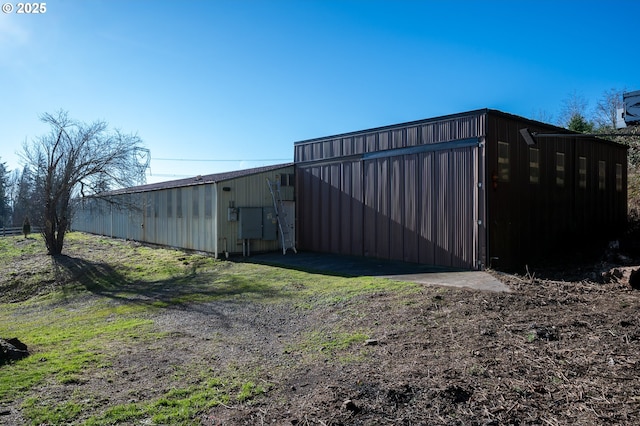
x: 503, y: 161
x: 602, y: 175
x: 618, y: 177
x: 582, y: 172
x: 208, y: 201
x: 169, y: 203
x: 148, y: 205
x: 287, y: 179
x: 196, y: 201
x: 534, y: 165
x: 178, y: 202
x: 560, y: 168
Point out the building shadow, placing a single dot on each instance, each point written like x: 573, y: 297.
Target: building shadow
x: 192, y: 290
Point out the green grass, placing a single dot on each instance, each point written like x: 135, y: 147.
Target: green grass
x: 64, y: 342
x: 15, y: 246
x: 181, y: 406
x: 316, y: 344
x: 54, y: 413
x: 108, y: 302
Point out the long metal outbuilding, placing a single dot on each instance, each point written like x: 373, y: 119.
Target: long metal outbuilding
x: 224, y: 213
x: 468, y: 190
x: 464, y: 191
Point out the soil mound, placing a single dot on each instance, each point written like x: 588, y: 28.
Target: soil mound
x: 12, y: 350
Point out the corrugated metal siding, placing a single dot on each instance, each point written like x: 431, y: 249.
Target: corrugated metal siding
x: 407, y: 182
x: 529, y: 221
x: 191, y: 217
x: 436, y: 130
x: 440, y: 207
x: 119, y: 216
x: 451, y: 203
x: 425, y: 197
x: 416, y: 207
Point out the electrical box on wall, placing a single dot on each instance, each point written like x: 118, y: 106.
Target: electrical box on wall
x: 257, y: 223
x: 250, y: 223
x: 232, y: 214
x: 270, y: 224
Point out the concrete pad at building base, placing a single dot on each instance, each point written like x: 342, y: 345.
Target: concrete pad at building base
x: 352, y: 266
x: 477, y: 280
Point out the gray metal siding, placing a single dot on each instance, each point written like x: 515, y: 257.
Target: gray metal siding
x: 192, y: 217
x: 118, y: 217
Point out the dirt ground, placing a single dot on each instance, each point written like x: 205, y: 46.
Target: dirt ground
x: 550, y: 352
x: 563, y: 347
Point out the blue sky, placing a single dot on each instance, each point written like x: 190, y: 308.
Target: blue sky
x: 243, y: 80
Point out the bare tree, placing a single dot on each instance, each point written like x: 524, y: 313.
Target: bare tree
x: 75, y: 159
x: 606, y: 109
x: 574, y: 107
x: 542, y: 116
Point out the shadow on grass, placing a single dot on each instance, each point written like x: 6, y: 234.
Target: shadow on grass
x: 184, y: 291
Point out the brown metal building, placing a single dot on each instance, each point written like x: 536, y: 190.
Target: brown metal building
x: 463, y: 191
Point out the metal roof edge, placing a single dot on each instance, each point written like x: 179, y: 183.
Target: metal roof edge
x: 394, y: 126
x: 478, y: 112
x: 196, y: 180
x: 530, y: 121
x: 551, y: 127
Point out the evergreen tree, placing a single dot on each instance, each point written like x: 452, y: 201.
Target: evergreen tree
x: 26, y: 227
x: 5, y: 207
x: 574, y: 110
x: 23, y: 196
x: 578, y: 123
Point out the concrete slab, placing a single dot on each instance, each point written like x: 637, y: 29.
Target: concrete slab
x: 351, y: 266
x: 477, y: 280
